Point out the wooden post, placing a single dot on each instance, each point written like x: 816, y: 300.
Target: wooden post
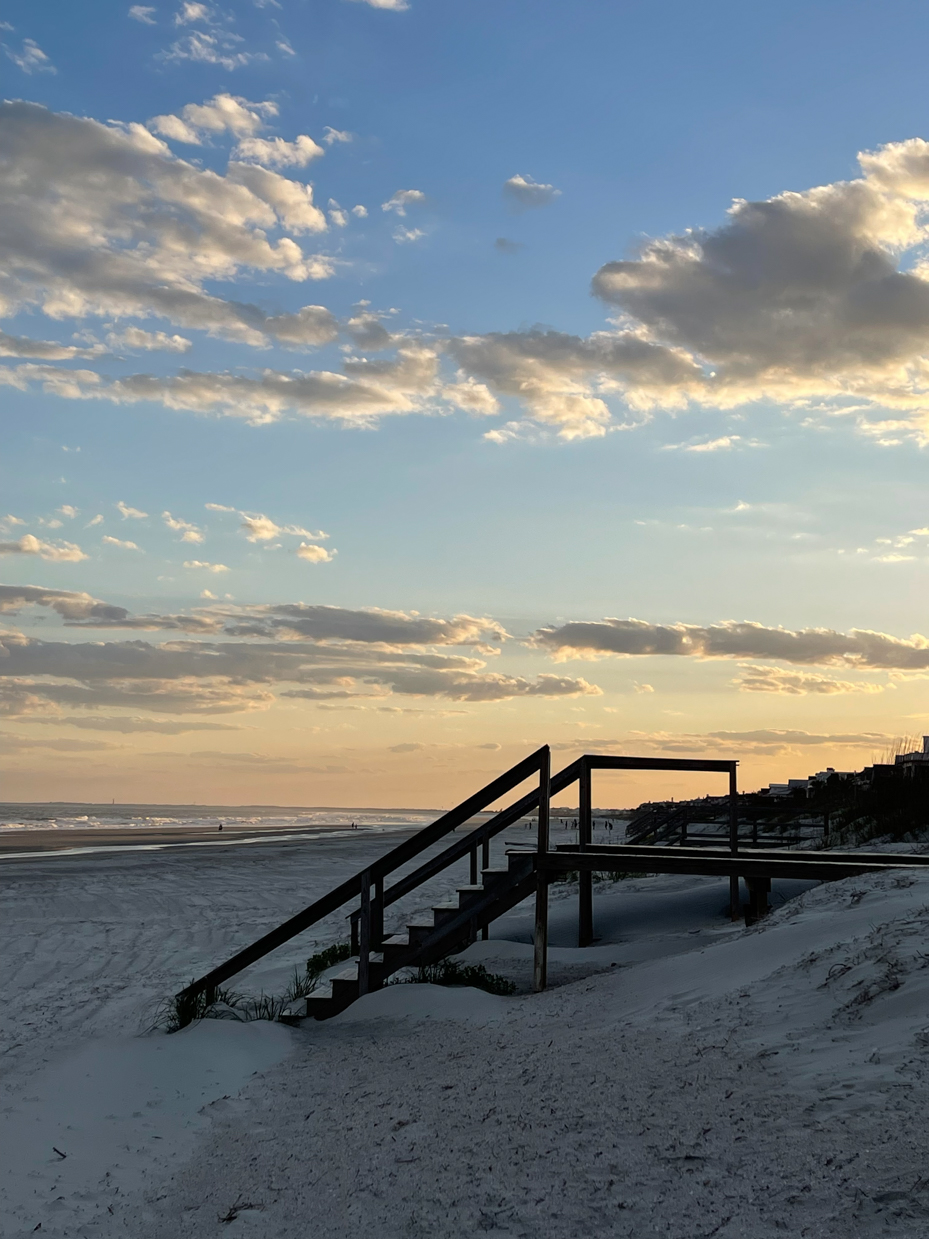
x: 364, y: 960
x: 485, y: 864
x: 540, y: 953
x: 377, y: 915
x: 734, y: 908
x: 585, y: 879
x: 472, y: 877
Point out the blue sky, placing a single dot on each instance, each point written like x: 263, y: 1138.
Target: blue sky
x: 483, y: 414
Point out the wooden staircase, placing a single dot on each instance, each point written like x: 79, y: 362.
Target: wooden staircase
x: 454, y: 926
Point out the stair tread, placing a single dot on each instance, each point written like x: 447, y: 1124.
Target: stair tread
x: 469, y: 890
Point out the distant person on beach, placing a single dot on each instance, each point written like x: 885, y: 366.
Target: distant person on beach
x: 220, y: 826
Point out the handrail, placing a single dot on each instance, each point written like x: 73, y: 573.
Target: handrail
x: 376, y: 872
x: 481, y: 834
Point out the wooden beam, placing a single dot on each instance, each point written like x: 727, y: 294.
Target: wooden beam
x: 585, y: 879
x: 540, y: 939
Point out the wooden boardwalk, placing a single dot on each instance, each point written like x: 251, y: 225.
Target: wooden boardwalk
x: 491, y: 892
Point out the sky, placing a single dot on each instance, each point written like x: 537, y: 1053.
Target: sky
x: 389, y: 388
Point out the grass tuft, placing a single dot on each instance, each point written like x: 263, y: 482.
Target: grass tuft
x: 451, y: 972
x: 225, y: 1004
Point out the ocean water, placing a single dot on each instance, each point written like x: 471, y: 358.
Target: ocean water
x: 62, y: 816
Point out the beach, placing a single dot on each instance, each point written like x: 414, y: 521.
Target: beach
x: 682, y: 1074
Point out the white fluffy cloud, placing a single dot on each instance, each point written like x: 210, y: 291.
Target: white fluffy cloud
x: 30, y: 58
x: 526, y: 193
x: 105, y: 220
x: 147, y: 341
x: 314, y: 554
x: 278, y: 152
x: 402, y: 199
x: 129, y: 513
x: 142, y: 13
x: 123, y: 544
x: 394, y: 6
x: 188, y: 532
x: 55, y: 552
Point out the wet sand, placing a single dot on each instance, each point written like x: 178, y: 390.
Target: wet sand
x: 23, y: 842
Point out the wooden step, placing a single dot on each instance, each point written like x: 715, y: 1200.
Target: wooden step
x: 418, y: 933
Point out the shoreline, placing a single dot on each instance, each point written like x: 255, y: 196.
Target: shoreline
x: 83, y: 839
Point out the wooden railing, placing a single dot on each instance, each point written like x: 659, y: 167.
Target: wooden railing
x: 369, y: 918
x: 368, y: 886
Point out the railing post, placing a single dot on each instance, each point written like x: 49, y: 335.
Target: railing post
x: 473, y: 874
x: 485, y: 864
x: 377, y: 914
x: 364, y: 926
x: 585, y: 879
x: 354, y: 948
x: 734, y: 901
x: 540, y: 953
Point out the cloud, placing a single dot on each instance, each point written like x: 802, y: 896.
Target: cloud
x: 121, y: 543
x: 68, y: 604
x: 369, y: 390
x: 205, y: 565
x: 192, y: 11
x: 402, y: 199
x: 55, y: 552
x: 211, y: 49
x: 130, y: 725
x: 859, y: 648
x: 30, y: 58
x: 260, y: 528
x: 812, y: 294
x: 279, y: 153
x: 314, y: 554
x: 136, y: 338
x: 69, y: 511
x: 754, y: 679
x: 197, y: 676
x: 224, y: 113
x: 189, y: 532
x: 405, y: 236
x: 129, y: 513
x: 368, y: 332
x: 42, y: 350
x: 15, y: 744
x: 331, y: 136
x: 561, y: 379
x: 142, y: 13
x: 525, y: 193
x: 394, y: 6
x: 360, y: 212
x: 25, y: 698
x: 103, y: 220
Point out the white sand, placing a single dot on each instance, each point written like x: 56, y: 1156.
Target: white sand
x: 712, y: 1081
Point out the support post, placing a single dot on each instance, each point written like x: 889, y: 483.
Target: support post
x: 485, y: 864
x: 540, y: 953
x: 734, y: 909
x: 472, y: 877
x: 377, y: 915
x: 585, y: 879
x: 364, y: 935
